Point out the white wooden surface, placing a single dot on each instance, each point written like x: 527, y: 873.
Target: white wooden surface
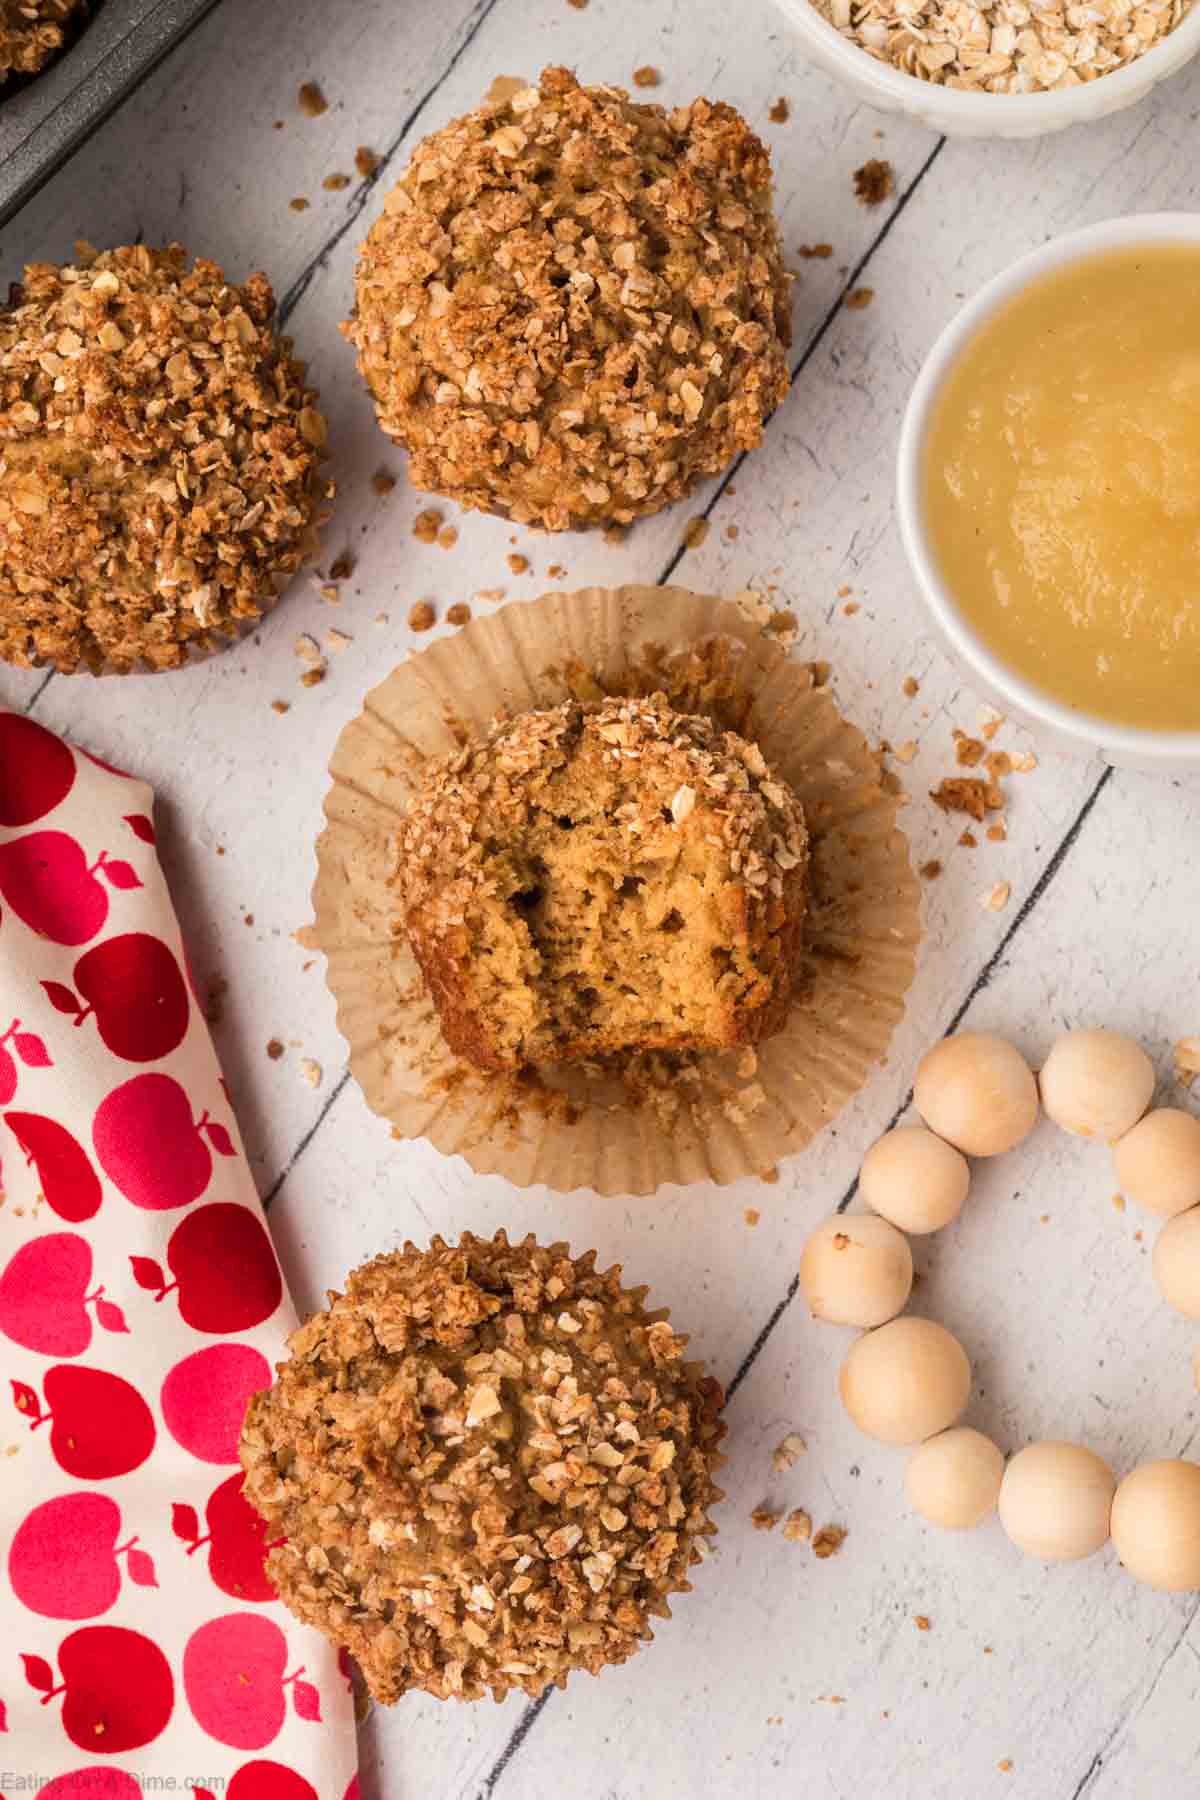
x: 781, y: 1674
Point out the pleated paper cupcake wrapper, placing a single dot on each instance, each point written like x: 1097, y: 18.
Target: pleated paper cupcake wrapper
x: 713, y: 1118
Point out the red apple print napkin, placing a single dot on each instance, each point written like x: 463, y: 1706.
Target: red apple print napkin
x: 140, y: 1304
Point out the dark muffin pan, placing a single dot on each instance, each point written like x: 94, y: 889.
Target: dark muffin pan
x: 44, y: 119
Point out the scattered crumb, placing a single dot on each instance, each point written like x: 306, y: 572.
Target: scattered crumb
x: 850, y: 608
x: 421, y: 615
x: 874, y: 182
x: 489, y: 594
x: 281, y: 706
x: 311, y: 100
x: 447, y: 537
x: 383, y: 482
x: 313, y: 677
x: 518, y: 564
x: 1005, y: 1765
x: 780, y: 112
x: 306, y: 937
x: 859, y: 297
x: 557, y: 572
x: 997, y: 897
x: 329, y: 594
x: 731, y: 534
x: 337, y: 641
x: 905, y: 752
x: 751, y: 1215
x: 770, y: 1176
x: 967, y: 794
x: 381, y: 618
x: 998, y: 763
x: 299, y: 204
x: 458, y: 614
x: 797, y: 1527
x: 579, y: 5
x: 334, y: 184
x: 844, y: 590
x: 969, y: 841
x: 308, y: 649
x: 968, y: 751
x: 1023, y: 762
x: 787, y: 1453
x: 922, y: 1622
x: 912, y: 686
x: 274, y: 1049
x: 1138, y: 1236
x: 365, y: 161
x: 763, y: 1519
x: 615, y: 534
x: 989, y: 723
x: 342, y: 567
x: 929, y: 871
x: 821, y: 251
x: 647, y: 76
x: 426, y: 525
x: 695, y: 532
x: 1119, y: 1202
x: 311, y: 1071
x: 248, y: 920
x: 1045, y: 1219
x: 1187, y: 1061
x: 828, y: 1541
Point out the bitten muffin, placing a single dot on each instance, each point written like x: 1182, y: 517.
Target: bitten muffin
x: 600, y: 878
x: 159, y: 461
x: 31, y: 32
x: 574, y: 306
x: 490, y: 1465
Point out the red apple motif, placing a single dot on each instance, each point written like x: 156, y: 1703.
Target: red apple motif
x: 62, y: 1561
x: 43, y: 1295
x: 351, y: 1792
x: 149, y: 1146
x: 101, y: 1426
x: 204, y: 1399
x: 238, y: 1539
x: 233, y: 1676
x: 225, y: 1271
x: 69, y: 1184
x: 269, y: 1781
x: 92, y: 1784
x: 27, y: 1051
x: 133, y: 987
x: 46, y: 880
x: 37, y: 770
x: 118, y: 1688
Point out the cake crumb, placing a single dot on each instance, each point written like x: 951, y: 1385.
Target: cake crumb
x: 274, y: 1049
x: 311, y: 1071
x: 820, y: 251
x: 333, y: 184
x: 307, y: 649
x: 1023, y: 762
x: 780, y: 112
x: 997, y: 897
x: 828, y: 1541
x: 998, y: 833
x: 763, y: 1519
x: 788, y: 1452
x: 383, y: 482
x: 299, y: 204
x: 1119, y: 1202
x: 912, y: 686
x: 850, y: 608
x: 311, y: 100
x: 797, y: 1527
x: 968, y: 751
x: 458, y: 614
x: 905, y: 752
x: 751, y: 1215
x: 342, y: 567
x: 1187, y: 1061
x: 426, y: 525
x: 968, y: 840
x: 1005, y: 1765
x: 557, y: 572
x: 770, y: 1176
x: 929, y: 871
x: 365, y: 161
x: 447, y: 537
x: 421, y: 615
x: 859, y: 297
x: 518, y: 564
x: 923, y: 1622
x: 647, y: 76
x: 695, y: 532
x: 330, y: 594
x: 844, y: 590
x: 615, y: 534
x: 313, y: 677
x: 336, y: 641
x: 967, y: 794
x: 281, y: 706
x: 874, y: 182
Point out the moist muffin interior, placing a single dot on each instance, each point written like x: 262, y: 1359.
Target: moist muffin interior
x: 605, y: 878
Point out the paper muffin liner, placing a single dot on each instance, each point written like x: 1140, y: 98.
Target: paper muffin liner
x: 655, y: 1120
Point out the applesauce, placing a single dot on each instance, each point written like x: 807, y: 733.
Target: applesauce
x: 1061, y: 485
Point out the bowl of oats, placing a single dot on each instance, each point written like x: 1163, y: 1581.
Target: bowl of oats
x: 998, y: 68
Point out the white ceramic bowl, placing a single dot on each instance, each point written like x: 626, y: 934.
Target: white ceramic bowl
x: 1052, y: 722
x: 960, y: 114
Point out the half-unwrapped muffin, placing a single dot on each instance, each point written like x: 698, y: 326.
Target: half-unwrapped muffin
x: 604, y: 878
x: 159, y: 461
x: 490, y: 1465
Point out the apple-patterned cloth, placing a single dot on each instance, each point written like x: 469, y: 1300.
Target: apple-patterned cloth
x: 140, y: 1305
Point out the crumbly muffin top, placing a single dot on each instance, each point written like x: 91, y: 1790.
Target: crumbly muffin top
x: 490, y: 789
x: 31, y: 31
x: 159, y: 456
x: 574, y: 305
x: 491, y: 1464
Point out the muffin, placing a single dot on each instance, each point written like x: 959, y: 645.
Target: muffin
x: 31, y: 32
x: 489, y: 1464
x: 574, y: 306
x: 604, y: 878
x: 159, y: 461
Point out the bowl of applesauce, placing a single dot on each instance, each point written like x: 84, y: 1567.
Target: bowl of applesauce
x: 1049, y: 490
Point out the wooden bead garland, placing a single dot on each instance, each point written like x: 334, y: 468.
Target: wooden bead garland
x: 907, y: 1380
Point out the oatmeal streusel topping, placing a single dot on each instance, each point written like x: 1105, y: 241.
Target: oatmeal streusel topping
x: 159, y: 458
x: 31, y: 31
x: 491, y: 1465
x: 574, y: 305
